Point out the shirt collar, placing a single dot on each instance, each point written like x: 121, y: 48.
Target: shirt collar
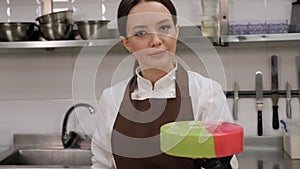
x: 160, y: 83
x: 165, y: 85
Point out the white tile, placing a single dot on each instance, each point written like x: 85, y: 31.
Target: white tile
x: 28, y: 14
x: 38, y: 74
x: 242, y: 10
x: 241, y: 65
x: 87, y: 11
x: 92, y: 75
x: 95, y: 10
x: 94, y: 1
x: 39, y: 117
x: 18, y: 2
x: 239, y: 10
x: 189, y: 13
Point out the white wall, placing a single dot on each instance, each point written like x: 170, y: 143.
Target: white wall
x: 36, y: 84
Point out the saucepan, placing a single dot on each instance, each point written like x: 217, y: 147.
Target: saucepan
x: 61, y: 17
x: 16, y: 31
x: 56, y: 25
x: 92, y: 29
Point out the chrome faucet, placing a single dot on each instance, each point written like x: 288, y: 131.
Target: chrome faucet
x: 70, y: 139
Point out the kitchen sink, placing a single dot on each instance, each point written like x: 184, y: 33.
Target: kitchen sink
x: 46, y: 158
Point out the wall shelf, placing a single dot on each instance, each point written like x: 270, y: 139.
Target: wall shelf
x: 58, y: 43
x: 224, y: 40
x: 259, y: 38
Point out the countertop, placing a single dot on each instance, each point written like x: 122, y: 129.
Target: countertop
x: 260, y: 152
x: 266, y: 159
x: 265, y: 153
x: 3, y: 148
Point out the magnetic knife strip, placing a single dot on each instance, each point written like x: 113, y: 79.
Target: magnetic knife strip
x: 266, y: 94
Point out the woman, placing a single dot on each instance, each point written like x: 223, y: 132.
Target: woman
x: 132, y: 111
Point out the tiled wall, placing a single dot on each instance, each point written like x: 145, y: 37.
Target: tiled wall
x: 36, y: 84
x: 239, y: 10
x: 241, y: 64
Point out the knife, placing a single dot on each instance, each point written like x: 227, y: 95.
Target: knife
x: 235, y: 97
x: 288, y: 101
x: 274, y: 94
x: 259, y: 101
x: 298, y: 72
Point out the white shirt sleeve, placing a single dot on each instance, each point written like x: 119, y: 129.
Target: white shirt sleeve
x: 209, y: 103
x: 208, y: 100
x: 106, y: 113
x: 102, y: 157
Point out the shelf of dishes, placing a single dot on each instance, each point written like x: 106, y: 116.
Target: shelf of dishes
x: 227, y: 39
x: 58, y: 43
x: 259, y: 38
x: 52, y: 27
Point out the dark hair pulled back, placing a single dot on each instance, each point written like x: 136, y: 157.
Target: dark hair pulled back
x: 126, y: 5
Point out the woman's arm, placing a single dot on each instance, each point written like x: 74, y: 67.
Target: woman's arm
x: 209, y: 103
x: 106, y: 113
x: 102, y: 157
x: 208, y: 99
x: 101, y: 149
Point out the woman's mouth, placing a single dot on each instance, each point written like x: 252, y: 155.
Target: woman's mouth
x: 158, y: 53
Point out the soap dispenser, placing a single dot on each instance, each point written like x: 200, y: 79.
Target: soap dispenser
x: 295, y: 17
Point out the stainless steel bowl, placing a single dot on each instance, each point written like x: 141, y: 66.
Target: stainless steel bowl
x: 92, y: 29
x: 61, y: 17
x: 16, y: 31
x: 56, y: 31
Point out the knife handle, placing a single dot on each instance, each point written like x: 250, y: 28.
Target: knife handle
x: 234, y: 109
x: 275, y: 117
x: 288, y: 109
x: 259, y: 123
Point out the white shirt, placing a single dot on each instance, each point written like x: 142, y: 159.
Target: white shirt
x: 163, y: 87
x: 207, y: 97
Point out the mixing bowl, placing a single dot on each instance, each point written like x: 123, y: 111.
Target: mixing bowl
x: 16, y: 31
x: 56, y: 31
x: 93, y: 29
x: 61, y: 17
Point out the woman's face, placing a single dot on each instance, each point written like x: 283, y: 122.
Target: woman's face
x: 151, y: 35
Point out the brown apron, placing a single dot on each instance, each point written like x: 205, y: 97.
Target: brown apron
x: 135, y: 136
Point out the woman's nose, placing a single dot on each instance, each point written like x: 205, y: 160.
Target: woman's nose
x: 156, y: 40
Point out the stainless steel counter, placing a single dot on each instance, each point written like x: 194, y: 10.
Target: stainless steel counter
x: 3, y: 148
x: 264, y: 152
x: 266, y: 159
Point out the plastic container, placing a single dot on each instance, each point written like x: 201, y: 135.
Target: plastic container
x: 210, y: 18
x: 210, y: 26
x: 295, y: 17
x: 291, y: 139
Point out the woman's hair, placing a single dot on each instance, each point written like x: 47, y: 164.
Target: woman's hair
x: 126, y: 5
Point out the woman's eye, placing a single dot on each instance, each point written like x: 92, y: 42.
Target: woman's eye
x: 140, y: 33
x: 165, y: 27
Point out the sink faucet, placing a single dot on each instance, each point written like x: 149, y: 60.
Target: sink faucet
x: 70, y: 139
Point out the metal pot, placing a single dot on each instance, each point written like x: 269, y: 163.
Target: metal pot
x: 93, y: 29
x: 16, y: 31
x: 61, y: 17
x: 56, y: 31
